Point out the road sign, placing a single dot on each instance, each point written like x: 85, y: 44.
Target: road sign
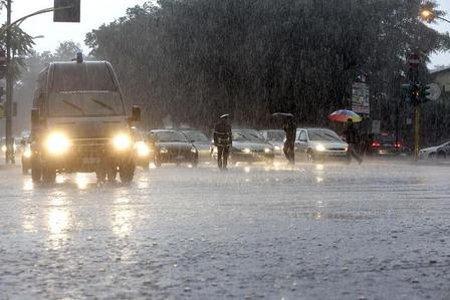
x: 360, y: 98
x: 67, y: 11
x: 434, y: 91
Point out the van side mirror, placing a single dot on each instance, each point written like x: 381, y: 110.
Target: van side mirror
x: 35, y: 117
x: 135, y: 113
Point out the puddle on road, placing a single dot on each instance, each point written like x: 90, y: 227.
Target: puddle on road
x: 329, y: 216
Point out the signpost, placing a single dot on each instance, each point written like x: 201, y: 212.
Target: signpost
x: 360, y: 98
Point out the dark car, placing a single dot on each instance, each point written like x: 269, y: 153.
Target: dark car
x: 386, y: 144
x: 171, y: 146
x: 200, y: 141
x: 249, y: 146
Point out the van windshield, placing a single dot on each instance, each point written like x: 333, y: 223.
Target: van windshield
x: 85, y: 103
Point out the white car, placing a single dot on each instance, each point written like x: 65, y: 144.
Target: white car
x: 275, y: 137
x: 441, y: 152
x: 320, y: 143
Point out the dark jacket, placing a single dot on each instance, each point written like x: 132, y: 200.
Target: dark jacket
x: 222, y: 134
x: 351, y: 135
x: 290, y: 129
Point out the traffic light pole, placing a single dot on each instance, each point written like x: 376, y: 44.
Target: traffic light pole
x: 9, y: 154
x: 416, y: 131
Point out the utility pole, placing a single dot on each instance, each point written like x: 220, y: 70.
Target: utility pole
x: 9, y: 154
x: 65, y: 11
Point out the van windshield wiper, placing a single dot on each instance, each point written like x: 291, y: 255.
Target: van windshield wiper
x: 74, y: 106
x: 103, y: 104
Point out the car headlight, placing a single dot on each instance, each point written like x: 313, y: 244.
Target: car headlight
x: 27, y: 153
x: 267, y: 150
x: 142, y: 149
x: 277, y: 148
x: 121, y: 142
x: 194, y: 150
x: 320, y: 148
x: 163, y: 150
x: 4, y: 148
x: 246, y: 150
x: 57, y: 143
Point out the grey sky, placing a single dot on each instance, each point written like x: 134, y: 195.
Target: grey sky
x: 97, y: 12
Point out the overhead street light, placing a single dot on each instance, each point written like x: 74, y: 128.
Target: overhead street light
x: 429, y: 15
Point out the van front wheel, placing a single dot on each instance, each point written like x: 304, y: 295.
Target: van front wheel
x: 126, y: 171
x: 36, y: 170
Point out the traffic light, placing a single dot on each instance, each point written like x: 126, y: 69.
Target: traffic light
x: 67, y: 11
x: 411, y: 91
x: 425, y: 93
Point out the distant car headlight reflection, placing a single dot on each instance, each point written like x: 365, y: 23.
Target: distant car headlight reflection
x: 320, y: 148
x: 57, y: 143
x: 121, y: 142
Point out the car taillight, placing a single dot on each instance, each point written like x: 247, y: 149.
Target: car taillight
x: 375, y: 144
x: 398, y: 145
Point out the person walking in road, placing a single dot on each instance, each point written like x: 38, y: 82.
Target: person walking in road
x: 222, y: 140
x: 290, y: 130
x: 352, y: 139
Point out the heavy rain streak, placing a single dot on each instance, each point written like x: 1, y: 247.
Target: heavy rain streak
x: 210, y: 149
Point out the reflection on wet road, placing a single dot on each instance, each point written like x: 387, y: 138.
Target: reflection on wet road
x: 315, y: 231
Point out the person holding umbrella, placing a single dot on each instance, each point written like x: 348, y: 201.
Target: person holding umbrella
x: 350, y: 133
x: 290, y: 130
x: 222, y: 140
x: 352, y: 139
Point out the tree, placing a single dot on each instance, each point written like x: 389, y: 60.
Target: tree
x: 196, y: 59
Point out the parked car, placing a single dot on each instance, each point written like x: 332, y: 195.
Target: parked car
x: 386, y: 144
x: 440, y: 152
x: 200, y: 141
x: 320, y: 143
x: 171, y: 146
x: 276, y: 138
x: 249, y: 146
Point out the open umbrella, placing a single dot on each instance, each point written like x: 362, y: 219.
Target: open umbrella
x: 282, y: 115
x: 343, y: 115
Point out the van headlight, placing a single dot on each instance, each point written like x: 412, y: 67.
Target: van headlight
x: 121, y: 142
x: 27, y: 153
x: 57, y: 143
x: 320, y: 147
x: 142, y: 149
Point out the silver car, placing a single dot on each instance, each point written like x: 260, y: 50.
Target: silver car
x: 319, y: 144
x: 275, y: 137
x: 440, y: 152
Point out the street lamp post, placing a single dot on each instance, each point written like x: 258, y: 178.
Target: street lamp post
x: 9, y: 154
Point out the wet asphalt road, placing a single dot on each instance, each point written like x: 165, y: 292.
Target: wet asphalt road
x: 375, y: 231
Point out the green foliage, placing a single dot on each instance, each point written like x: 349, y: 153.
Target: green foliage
x: 196, y: 59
